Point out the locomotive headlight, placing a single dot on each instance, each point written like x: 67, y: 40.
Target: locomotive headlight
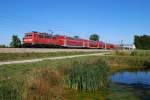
x: 27, y: 40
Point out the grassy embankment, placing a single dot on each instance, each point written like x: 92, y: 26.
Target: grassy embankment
x: 23, y: 56
x: 71, y: 79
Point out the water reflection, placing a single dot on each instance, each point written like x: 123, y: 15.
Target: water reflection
x: 136, y: 78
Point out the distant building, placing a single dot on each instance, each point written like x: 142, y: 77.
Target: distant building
x: 128, y: 46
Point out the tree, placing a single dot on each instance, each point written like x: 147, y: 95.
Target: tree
x: 94, y: 37
x: 76, y: 37
x: 15, y: 42
x: 142, y: 42
x: 2, y: 46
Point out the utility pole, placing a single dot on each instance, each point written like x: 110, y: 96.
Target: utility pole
x: 121, y: 44
x: 51, y: 31
x: 105, y: 46
x: 65, y: 39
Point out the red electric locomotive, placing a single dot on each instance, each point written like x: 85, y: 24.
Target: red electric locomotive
x: 44, y: 39
x: 35, y: 38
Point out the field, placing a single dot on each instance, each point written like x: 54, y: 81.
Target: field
x: 83, y: 78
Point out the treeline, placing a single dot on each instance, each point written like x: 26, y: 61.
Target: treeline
x: 142, y: 42
x: 2, y: 46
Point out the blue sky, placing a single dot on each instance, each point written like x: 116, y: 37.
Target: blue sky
x: 113, y: 20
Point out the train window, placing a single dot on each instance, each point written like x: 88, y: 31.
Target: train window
x: 70, y: 38
x: 48, y: 36
x: 54, y: 38
x: 28, y: 35
x: 41, y: 36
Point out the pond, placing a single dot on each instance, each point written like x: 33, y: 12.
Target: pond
x: 132, y: 78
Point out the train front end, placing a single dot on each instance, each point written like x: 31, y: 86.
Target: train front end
x: 30, y: 39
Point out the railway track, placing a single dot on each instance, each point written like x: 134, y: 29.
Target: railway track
x: 44, y: 50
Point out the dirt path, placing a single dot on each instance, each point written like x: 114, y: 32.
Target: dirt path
x: 52, y: 58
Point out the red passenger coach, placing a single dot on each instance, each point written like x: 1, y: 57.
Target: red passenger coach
x: 73, y: 42
x: 44, y: 39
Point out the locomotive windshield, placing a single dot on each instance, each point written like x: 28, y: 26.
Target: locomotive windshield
x: 28, y: 35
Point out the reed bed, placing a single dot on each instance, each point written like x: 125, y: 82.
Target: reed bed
x: 89, y: 76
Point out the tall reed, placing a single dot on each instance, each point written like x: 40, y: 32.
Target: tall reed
x: 89, y: 76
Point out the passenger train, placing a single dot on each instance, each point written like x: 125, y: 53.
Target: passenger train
x: 36, y: 39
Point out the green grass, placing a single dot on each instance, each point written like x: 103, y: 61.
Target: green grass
x: 140, y: 53
x: 20, y: 56
x: 49, y: 79
x: 18, y: 69
x: 128, y: 62
x: 121, y: 60
x: 122, y: 92
x: 143, y: 53
x: 29, y: 81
